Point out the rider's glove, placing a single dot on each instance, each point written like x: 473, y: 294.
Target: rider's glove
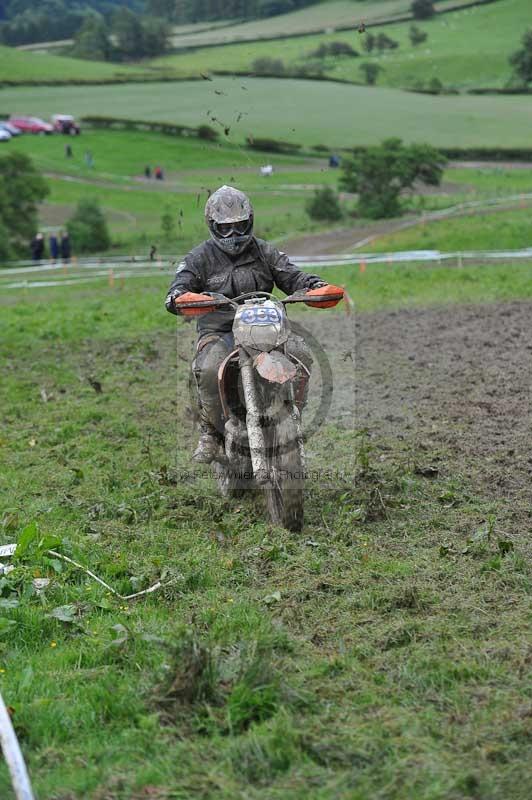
x: 324, y: 296
x: 180, y: 304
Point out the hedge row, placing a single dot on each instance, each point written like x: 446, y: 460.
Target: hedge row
x: 169, y: 128
x: 206, y: 132
x: 473, y: 153
x: 116, y: 80
x: 272, y: 145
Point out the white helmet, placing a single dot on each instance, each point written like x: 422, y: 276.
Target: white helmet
x: 229, y: 216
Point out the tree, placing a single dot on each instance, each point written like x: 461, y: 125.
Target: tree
x: 324, y: 205
x: 21, y: 188
x: 268, y: 66
x: 521, y: 60
x: 334, y: 49
x: 87, y: 227
x: 128, y: 33
x: 382, y: 172
x: 165, y: 9
x: 416, y: 35
x: 422, y: 9
x: 384, y: 42
x: 91, y: 41
x: 369, y: 42
x: 154, y: 37
x: 435, y: 86
x: 371, y: 72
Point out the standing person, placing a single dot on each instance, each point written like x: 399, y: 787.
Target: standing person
x: 89, y: 161
x: 231, y: 262
x: 147, y: 171
x: 54, y: 247
x: 68, y: 151
x: 66, y: 249
x: 37, y: 247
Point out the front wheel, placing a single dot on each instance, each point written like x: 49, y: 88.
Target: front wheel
x: 285, y: 491
x: 232, y: 481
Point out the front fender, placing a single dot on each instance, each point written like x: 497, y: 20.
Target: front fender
x: 275, y: 367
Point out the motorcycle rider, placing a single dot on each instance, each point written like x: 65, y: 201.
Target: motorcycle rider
x: 233, y: 261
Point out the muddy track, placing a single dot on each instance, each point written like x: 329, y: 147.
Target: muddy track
x: 454, y: 384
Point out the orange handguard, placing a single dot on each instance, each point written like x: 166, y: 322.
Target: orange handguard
x: 203, y: 304
x: 324, y: 296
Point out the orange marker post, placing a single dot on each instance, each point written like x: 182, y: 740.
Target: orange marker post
x: 111, y: 279
x: 362, y: 267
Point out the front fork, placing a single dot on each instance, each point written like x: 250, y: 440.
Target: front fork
x: 257, y: 442
x: 254, y: 414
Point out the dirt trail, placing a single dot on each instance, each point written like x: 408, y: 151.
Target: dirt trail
x: 456, y: 381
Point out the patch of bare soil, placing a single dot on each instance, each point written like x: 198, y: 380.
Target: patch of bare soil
x: 454, y: 382
x: 55, y: 215
x: 340, y: 240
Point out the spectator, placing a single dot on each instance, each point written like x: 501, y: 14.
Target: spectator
x: 37, y: 247
x: 334, y: 160
x: 54, y: 247
x: 66, y: 249
x: 68, y: 151
x: 159, y: 174
x: 147, y: 172
x: 89, y: 161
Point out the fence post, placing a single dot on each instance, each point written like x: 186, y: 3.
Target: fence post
x: 111, y: 279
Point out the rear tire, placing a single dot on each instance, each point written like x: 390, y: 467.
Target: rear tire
x: 285, y: 492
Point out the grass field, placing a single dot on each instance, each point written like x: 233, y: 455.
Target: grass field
x: 331, y: 114
x: 134, y: 206
x: 382, y: 653
x: 465, y: 49
x: 477, y: 231
x: 22, y: 66
x: 319, y: 17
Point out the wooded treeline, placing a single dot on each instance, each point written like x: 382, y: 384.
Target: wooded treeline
x: 30, y: 21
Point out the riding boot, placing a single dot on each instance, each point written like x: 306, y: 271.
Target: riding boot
x: 209, y: 443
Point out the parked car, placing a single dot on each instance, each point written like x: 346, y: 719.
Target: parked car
x: 12, y: 129
x: 31, y: 124
x: 5, y: 136
x: 65, y: 123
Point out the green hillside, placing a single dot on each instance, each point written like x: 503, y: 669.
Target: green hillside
x: 319, y: 17
x: 465, y: 49
x: 309, y: 112
x: 18, y: 66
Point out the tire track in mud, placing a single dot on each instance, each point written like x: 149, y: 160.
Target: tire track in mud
x: 453, y: 382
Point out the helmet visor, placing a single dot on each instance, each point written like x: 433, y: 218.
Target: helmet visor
x: 226, y: 229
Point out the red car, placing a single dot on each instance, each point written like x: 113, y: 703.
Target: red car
x: 31, y: 124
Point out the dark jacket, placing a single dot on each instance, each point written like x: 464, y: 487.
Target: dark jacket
x: 54, y: 247
x: 66, y: 250
x: 37, y: 248
x: 258, y: 268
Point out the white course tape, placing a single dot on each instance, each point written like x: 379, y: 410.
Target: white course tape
x: 13, y: 756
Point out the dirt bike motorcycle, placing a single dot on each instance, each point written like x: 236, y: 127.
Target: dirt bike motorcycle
x: 262, y: 390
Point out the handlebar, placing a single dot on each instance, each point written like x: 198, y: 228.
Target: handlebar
x: 218, y: 301
x: 222, y: 300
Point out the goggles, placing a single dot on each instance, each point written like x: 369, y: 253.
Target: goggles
x: 226, y: 229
